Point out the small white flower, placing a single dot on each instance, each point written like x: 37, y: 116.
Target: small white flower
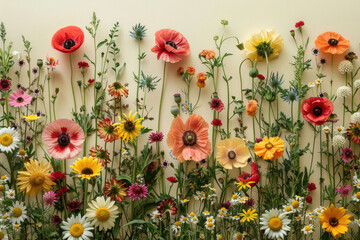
x: 356, y: 197
x: 343, y: 91
x: 206, y: 213
x: 318, y: 81
x: 194, y: 220
x: 16, y: 53
x: 184, y: 201
x: 219, y: 237
x: 311, y: 84
x: 340, y: 130
x: 209, y: 225
x: 236, y: 218
x: 183, y: 219
x: 4, y: 179
x: 235, y: 199
x: 326, y: 129
x: 308, y: 229
x: 339, y: 141
x: 355, y: 117
x: 356, y: 182
x: 18, y: 212
x: 155, y: 216
x: 288, y: 209
x: 357, y: 221
x: 239, y: 236
x: 10, y: 194
x: 357, y: 84
x: 244, y: 199
x: 345, y: 66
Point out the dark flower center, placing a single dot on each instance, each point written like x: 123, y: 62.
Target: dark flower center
x: 69, y: 43
x: 333, y: 41
x: 4, y: 84
x: 231, y: 155
x: 356, y: 131
x: 317, y: 111
x: 110, y: 129
x: 114, y: 190
x: 246, y: 176
x: 117, y: 85
x: 171, y: 43
x: 20, y: 99
x: 63, y: 139
x: 87, y: 171
x: 189, y: 138
x: 129, y: 126
x: 333, y: 221
x: 137, y: 190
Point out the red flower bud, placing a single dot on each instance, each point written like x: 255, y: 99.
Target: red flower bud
x: 308, y: 199
x: 172, y: 179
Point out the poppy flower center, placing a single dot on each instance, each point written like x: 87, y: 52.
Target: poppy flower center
x: 129, y: 126
x: 20, y: 100
x: 333, y: 221
x: 246, y: 176
x: 63, y: 139
x: 269, y: 145
x: 189, y: 138
x: 333, y: 41
x: 69, y: 43
x: 171, y: 43
x: 103, y: 214
x: 231, y: 155
x: 87, y: 171
x: 317, y: 111
x: 76, y: 230
x: 275, y: 224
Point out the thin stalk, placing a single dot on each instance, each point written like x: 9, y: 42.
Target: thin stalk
x: 72, y: 84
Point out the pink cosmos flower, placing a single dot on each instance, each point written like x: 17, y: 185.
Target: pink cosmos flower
x: 156, y: 137
x: 136, y: 191
x: 19, y: 98
x: 49, y: 198
x: 170, y: 44
x: 64, y: 139
x: 344, y: 190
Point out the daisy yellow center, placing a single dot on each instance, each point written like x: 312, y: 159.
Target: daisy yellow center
x: 358, y: 184
x: 333, y: 221
x: 339, y: 129
x: 22, y: 152
x: 1, y: 235
x: 177, y: 223
x: 307, y: 228
x: 295, y: 204
x: 192, y: 214
x: 2, y: 187
x: 235, y: 196
x: 3, y: 177
x: 184, y: 219
x: 288, y: 209
x: 210, y: 224
x: 5, y: 216
x: 358, y: 195
x: 220, y: 238
x: 11, y: 194
x: 269, y: 145
x: 76, y: 230
x: 16, y: 226
x: 6, y: 140
x: 102, y: 214
x: 17, y: 212
x: 37, y: 178
x: 275, y: 224
x: 239, y: 236
x: 210, y: 220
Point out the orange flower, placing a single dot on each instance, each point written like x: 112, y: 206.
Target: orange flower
x: 189, y: 141
x: 201, y: 80
x: 269, y: 148
x: 203, y: 53
x: 332, y: 42
x: 180, y: 70
x: 251, y: 108
x: 190, y: 70
x: 201, y: 84
x: 210, y: 54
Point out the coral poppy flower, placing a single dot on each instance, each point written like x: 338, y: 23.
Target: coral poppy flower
x: 317, y: 110
x: 68, y: 39
x: 170, y: 45
x: 332, y: 42
x: 189, y: 141
x: 64, y: 139
x: 253, y: 177
x: 251, y: 108
x: 270, y: 148
x: 232, y: 153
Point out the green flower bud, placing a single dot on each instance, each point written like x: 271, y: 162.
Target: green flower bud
x: 240, y: 46
x: 292, y: 33
x: 98, y: 85
x: 224, y: 22
x: 216, y: 37
x: 177, y: 98
x: 175, y: 110
x: 254, y: 72
x: 39, y: 63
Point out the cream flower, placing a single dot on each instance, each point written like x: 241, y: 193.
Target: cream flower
x: 275, y: 224
x: 18, y: 212
x: 102, y: 213
x: 9, y: 139
x: 77, y: 228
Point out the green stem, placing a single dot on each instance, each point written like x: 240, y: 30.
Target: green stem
x: 72, y: 84
x: 48, y: 78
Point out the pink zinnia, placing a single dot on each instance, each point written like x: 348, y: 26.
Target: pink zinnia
x: 19, y: 98
x: 216, y: 104
x: 49, y: 198
x: 5, y: 84
x: 137, y: 191
x: 344, y: 190
x: 156, y: 137
x: 64, y: 139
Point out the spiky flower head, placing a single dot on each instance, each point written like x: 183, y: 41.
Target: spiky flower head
x: 138, y: 32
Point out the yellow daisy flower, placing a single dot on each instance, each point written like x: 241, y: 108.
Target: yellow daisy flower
x: 249, y: 215
x: 87, y: 167
x: 335, y: 220
x: 244, y: 185
x: 128, y: 128
x: 36, y: 178
x: 30, y: 118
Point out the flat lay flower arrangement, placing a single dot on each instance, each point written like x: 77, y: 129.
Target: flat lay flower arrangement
x: 105, y: 174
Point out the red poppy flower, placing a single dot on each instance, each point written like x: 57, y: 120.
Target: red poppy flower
x: 253, y: 177
x: 317, y: 110
x: 68, y: 39
x: 172, y: 179
x: 170, y: 45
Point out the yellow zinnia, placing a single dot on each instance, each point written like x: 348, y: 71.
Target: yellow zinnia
x: 269, y: 148
x: 262, y: 44
x: 335, y: 220
x: 232, y: 153
x: 36, y: 178
x: 128, y: 128
x: 87, y: 167
x: 30, y: 118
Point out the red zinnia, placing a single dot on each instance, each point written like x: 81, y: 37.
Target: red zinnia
x: 299, y: 24
x: 216, y: 122
x: 170, y: 44
x: 58, y: 175
x: 68, y: 39
x: 317, y: 110
x: 311, y: 187
x: 172, y: 179
x: 83, y: 65
x: 253, y: 177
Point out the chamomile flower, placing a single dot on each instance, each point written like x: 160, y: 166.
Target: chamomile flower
x: 235, y: 199
x: 77, y: 228
x: 9, y: 139
x: 209, y: 225
x: 4, y: 179
x: 176, y: 225
x: 308, y: 229
x: 183, y: 219
x: 184, y: 201
x: 297, y: 203
x: 356, y: 197
x: 340, y: 130
x: 318, y: 81
x: 356, y: 182
x: 18, y: 212
x: 10, y: 194
x: 155, y: 216
x: 288, y: 209
x: 239, y: 236
x: 3, y: 233
x: 219, y: 237
x: 202, y: 236
x: 194, y: 220
x: 311, y: 84
x: 206, y: 213
x: 236, y: 218
x: 275, y: 224
x: 244, y: 199
x: 326, y: 129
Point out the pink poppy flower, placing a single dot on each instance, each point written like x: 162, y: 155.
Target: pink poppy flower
x: 19, y: 98
x: 64, y: 139
x: 170, y: 45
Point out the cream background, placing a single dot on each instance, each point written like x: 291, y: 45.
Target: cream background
x: 198, y: 21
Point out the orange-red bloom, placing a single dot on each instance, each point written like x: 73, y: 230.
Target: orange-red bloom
x: 189, y: 141
x: 201, y: 77
x: 251, y: 108
x: 190, y: 70
x: 332, y: 42
x: 170, y: 45
x: 68, y: 39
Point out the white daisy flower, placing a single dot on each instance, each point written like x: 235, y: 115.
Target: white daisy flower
x: 15, y: 53
x: 236, y: 218
x: 10, y: 194
x: 239, y: 236
x: 235, y: 199
x: 209, y: 225
x: 345, y: 66
x: 326, y: 129
x: 77, y: 228
x: 9, y: 139
x: 4, y: 179
x: 183, y: 219
x: 102, y: 213
x: 194, y: 220
x: 297, y: 203
x: 355, y: 117
x: 155, y: 216
x: 344, y: 91
x: 357, y: 221
x: 176, y: 226
x: 318, y: 211
x: 219, y: 237
x: 288, y: 209
x: 311, y: 84
x: 275, y: 224
x: 356, y: 182
x: 202, y: 236
x: 3, y: 234
x: 16, y: 227
x: 184, y: 201
x: 356, y: 197
x: 18, y: 212
x: 308, y: 229
x: 340, y: 130
x: 192, y: 214
x: 206, y: 213
x: 318, y: 81
x: 339, y: 141
x: 244, y: 199
x: 357, y: 84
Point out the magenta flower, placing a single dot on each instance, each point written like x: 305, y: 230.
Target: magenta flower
x: 5, y: 84
x: 49, y: 198
x: 137, y: 191
x: 156, y: 137
x: 344, y: 190
x: 19, y: 98
x: 347, y: 154
x: 216, y: 104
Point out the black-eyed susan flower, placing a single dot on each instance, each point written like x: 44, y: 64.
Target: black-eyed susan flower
x: 129, y: 127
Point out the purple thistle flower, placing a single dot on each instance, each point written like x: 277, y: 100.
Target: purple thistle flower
x: 137, y: 191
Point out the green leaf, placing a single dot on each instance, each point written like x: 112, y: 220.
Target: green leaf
x: 101, y: 43
x: 121, y: 177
